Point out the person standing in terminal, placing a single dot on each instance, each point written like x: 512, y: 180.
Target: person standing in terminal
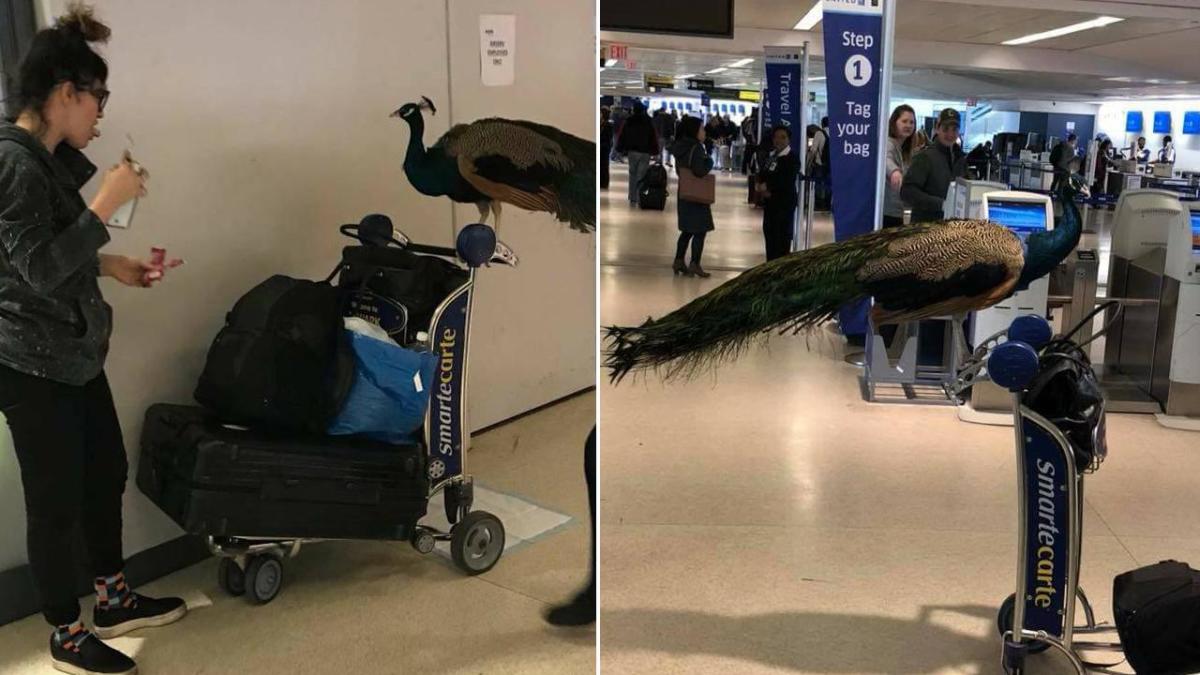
x: 924, y: 189
x: 1141, y: 153
x: 933, y: 169
x: 1103, y: 157
x: 1060, y: 158
x: 817, y: 165
x: 750, y: 136
x: 695, y: 219
x: 777, y: 185
x: 639, y: 143
x: 54, y: 339
x: 606, y: 142
x: 581, y: 610
x: 901, y: 126
x: 1167, y: 154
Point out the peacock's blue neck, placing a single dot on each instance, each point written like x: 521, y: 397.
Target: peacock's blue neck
x: 427, y: 169
x: 1045, y: 250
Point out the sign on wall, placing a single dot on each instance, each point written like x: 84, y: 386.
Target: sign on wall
x: 498, y: 49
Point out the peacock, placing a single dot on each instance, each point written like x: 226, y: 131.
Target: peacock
x: 913, y: 272
x: 493, y: 161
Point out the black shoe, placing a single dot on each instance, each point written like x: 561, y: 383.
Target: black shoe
x: 111, y: 623
x: 579, y: 612
x: 93, y: 658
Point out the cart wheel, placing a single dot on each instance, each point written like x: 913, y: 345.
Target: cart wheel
x: 477, y: 542
x: 1004, y: 621
x: 264, y: 577
x: 423, y: 541
x: 230, y: 577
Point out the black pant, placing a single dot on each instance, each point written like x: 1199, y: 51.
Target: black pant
x: 589, y: 472
x: 777, y: 230
x: 893, y: 221
x: 748, y: 157
x: 73, y: 467
x: 604, y: 170
x: 697, y: 245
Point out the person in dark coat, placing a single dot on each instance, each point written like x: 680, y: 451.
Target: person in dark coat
x: 639, y: 143
x: 695, y: 219
x: 606, y: 141
x: 777, y: 185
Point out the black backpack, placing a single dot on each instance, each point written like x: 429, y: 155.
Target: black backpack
x: 1157, y: 612
x: 280, y: 361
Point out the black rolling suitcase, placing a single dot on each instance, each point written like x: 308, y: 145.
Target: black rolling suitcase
x: 218, y: 480
x: 652, y: 193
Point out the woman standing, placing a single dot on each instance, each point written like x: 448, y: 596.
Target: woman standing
x: 606, y: 142
x: 777, y: 185
x: 54, y: 334
x: 901, y: 128
x: 695, y: 218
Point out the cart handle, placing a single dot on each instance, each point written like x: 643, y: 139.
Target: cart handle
x: 1013, y: 365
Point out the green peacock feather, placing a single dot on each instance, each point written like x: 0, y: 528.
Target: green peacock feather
x: 912, y: 272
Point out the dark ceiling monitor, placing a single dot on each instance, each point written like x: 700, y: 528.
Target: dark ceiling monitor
x: 704, y: 18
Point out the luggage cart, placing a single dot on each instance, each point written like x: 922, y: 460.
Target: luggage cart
x: 253, y: 565
x: 1050, y: 506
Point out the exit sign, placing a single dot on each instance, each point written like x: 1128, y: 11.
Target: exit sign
x: 618, y: 52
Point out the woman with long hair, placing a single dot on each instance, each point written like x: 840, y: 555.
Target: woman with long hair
x: 901, y: 127
x: 54, y: 335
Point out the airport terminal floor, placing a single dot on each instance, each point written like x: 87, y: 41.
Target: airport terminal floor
x: 337, y: 593
x: 765, y: 519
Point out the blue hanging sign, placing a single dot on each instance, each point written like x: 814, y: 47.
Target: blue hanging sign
x: 782, y: 99
x: 1191, y: 122
x: 853, y: 60
x: 1133, y: 121
x: 1162, y: 122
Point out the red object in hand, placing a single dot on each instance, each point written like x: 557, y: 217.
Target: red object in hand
x: 159, y: 263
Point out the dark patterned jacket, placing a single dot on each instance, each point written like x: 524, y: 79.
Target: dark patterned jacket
x: 53, y: 321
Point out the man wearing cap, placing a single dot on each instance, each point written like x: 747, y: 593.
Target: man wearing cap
x: 933, y: 169
x: 924, y: 189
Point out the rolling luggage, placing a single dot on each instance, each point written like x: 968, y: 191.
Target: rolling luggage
x: 220, y: 480
x: 652, y: 193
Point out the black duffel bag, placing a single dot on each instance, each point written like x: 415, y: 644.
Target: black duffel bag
x: 418, y: 283
x: 280, y: 361
x: 1157, y: 612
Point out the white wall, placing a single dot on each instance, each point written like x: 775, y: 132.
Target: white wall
x: 265, y: 126
x: 535, y: 326
x: 1111, y: 121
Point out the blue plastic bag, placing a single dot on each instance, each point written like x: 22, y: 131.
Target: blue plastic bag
x: 390, y: 393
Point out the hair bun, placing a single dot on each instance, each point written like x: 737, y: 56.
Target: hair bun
x: 80, y: 19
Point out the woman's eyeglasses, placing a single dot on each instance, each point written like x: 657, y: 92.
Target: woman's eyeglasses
x: 101, y: 95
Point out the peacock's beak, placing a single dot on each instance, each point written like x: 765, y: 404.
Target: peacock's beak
x: 396, y: 112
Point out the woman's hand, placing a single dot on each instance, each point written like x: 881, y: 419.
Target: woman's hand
x: 897, y: 180
x: 121, y: 183
x: 131, y: 271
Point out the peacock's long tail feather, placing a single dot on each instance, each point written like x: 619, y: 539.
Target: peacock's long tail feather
x: 789, y: 294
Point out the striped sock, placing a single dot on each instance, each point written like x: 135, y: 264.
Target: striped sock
x: 113, y: 593
x: 70, y: 635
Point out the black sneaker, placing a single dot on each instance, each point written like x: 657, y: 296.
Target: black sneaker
x: 579, y: 612
x: 92, y: 658
x: 111, y: 623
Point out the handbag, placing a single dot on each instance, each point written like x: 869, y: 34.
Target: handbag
x: 693, y: 188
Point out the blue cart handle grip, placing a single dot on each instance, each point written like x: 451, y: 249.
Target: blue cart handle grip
x: 1031, y: 329
x: 1012, y: 365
